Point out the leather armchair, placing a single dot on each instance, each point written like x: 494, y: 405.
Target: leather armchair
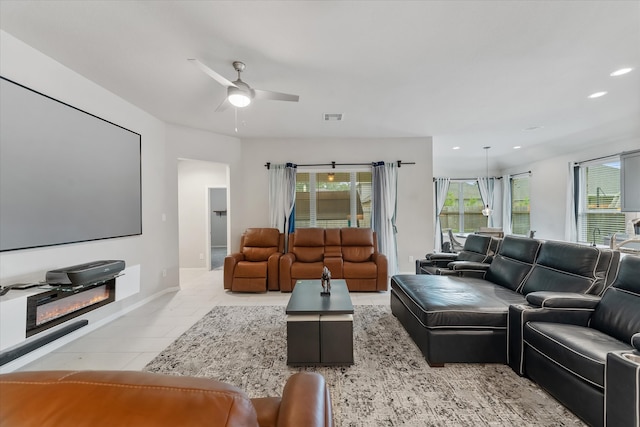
x: 256, y: 267
x: 581, y: 348
x: 129, y: 398
x: 477, y: 248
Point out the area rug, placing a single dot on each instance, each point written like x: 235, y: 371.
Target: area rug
x: 390, y: 383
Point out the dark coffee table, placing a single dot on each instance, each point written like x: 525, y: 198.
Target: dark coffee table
x: 319, y: 328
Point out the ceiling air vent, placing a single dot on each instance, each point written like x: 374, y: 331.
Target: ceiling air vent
x: 332, y: 117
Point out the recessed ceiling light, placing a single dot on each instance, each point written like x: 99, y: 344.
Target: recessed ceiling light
x: 532, y: 128
x: 621, y: 72
x: 456, y: 148
x: 597, y: 95
x: 517, y: 147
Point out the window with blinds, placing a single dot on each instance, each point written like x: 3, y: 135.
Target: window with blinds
x: 462, y: 211
x: 333, y: 199
x: 520, y: 205
x: 599, y: 214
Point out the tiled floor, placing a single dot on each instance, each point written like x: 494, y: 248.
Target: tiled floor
x: 133, y: 340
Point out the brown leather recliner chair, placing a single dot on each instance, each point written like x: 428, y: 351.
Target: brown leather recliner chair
x: 349, y: 253
x: 256, y: 267
x: 143, y: 399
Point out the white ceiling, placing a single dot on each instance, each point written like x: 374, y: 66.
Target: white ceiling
x: 468, y: 73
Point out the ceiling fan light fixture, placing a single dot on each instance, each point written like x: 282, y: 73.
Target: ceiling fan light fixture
x: 238, y: 98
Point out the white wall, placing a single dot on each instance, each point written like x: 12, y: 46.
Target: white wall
x: 185, y: 143
x: 415, y: 190
x: 548, y: 185
x: 156, y: 249
x: 194, y: 180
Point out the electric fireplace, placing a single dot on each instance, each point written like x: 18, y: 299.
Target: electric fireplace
x: 62, y: 303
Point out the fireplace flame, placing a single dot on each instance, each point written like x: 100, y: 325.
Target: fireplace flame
x: 55, y: 309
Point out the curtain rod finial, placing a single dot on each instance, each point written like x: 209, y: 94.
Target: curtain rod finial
x: 268, y: 165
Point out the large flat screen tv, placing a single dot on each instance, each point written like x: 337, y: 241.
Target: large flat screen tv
x: 66, y: 176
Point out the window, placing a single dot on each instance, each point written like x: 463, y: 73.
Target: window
x: 462, y: 211
x: 332, y: 199
x: 520, y: 205
x: 599, y: 214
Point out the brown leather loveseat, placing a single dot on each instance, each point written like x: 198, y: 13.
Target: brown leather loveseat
x: 349, y: 253
x: 129, y: 398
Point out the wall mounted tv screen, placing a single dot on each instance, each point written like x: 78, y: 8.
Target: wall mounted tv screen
x: 66, y: 176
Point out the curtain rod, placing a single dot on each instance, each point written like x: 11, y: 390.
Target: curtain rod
x: 597, y: 158
x: 521, y: 173
x: 334, y: 164
x: 468, y: 179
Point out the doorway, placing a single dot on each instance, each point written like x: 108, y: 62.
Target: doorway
x: 218, y: 226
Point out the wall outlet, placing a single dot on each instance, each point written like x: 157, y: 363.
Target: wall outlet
x: 201, y: 256
x: 164, y: 273
x: 410, y: 258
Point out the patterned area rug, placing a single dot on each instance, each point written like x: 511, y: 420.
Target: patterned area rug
x: 390, y: 383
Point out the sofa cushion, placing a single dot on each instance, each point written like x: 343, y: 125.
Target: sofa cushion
x: 258, y: 244
x: 360, y: 270
x: 307, y: 270
x: 357, y: 244
x: 618, y: 313
x: 251, y: 269
x: 308, y: 244
x: 455, y: 302
x: 511, y: 266
x: 258, y: 254
x: 567, y: 267
x: 578, y: 349
x: 476, y: 248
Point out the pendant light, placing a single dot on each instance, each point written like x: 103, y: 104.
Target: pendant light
x: 487, y: 211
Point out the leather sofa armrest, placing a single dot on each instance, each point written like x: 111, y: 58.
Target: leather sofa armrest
x: 469, y: 265
x: 562, y: 300
x: 305, y: 402
x: 286, y: 261
x: 273, y: 271
x: 621, y: 384
x: 434, y: 263
x: 230, y: 262
x: 520, y: 314
x: 333, y: 254
x: 469, y: 268
x: 441, y: 256
x: 382, y: 280
x: 635, y: 341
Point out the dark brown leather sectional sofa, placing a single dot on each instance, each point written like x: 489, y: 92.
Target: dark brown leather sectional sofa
x: 464, y: 319
x: 565, y: 315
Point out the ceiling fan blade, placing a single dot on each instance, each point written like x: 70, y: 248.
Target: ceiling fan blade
x: 277, y: 96
x: 215, y: 76
x: 223, y: 105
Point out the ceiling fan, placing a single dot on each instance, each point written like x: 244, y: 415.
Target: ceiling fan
x: 240, y: 94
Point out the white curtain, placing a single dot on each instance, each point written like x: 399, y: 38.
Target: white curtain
x: 282, y: 196
x: 570, y: 226
x: 485, y: 185
x: 441, y: 186
x: 506, y: 204
x: 383, y: 215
